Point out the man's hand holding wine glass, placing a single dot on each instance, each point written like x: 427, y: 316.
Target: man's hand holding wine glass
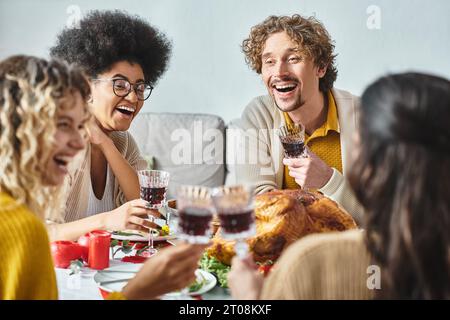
x: 309, y: 171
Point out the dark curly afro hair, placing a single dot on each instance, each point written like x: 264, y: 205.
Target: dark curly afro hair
x: 107, y: 37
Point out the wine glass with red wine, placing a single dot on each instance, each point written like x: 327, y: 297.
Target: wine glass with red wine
x: 292, y: 137
x: 153, y: 189
x: 195, y: 213
x: 235, y: 209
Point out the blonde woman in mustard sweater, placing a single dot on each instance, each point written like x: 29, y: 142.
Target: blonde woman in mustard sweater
x: 42, y: 121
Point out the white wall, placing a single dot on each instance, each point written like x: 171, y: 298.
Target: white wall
x: 207, y: 72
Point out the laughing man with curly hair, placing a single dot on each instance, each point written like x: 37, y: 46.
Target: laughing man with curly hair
x: 295, y: 57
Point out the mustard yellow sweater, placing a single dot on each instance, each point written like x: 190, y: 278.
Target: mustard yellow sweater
x: 324, y: 142
x: 26, y: 267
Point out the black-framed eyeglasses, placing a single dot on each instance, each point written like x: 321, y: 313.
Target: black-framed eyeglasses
x: 122, y: 88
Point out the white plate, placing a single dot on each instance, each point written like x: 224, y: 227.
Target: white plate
x: 107, y: 275
x: 210, y: 283
x: 140, y: 236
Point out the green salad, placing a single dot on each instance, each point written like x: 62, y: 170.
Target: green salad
x: 220, y: 270
x: 198, y: 283
x: 126, y: 234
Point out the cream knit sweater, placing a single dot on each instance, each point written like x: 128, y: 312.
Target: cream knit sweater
x: 79, y: 179
x: 323, y: 266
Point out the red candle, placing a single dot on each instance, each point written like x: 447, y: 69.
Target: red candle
x: 63, y: 252
x: 83, y: 241
x: 99, y: 249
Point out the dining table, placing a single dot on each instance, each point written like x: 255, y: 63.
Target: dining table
x: 82, y: 286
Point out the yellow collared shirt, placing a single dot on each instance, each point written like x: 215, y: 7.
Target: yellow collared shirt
x: 324, y: 142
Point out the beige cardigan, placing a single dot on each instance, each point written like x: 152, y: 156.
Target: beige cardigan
x: 79, y: 179
x: 323, y: 266
x: 255, y: 154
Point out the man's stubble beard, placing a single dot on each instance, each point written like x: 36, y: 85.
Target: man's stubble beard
x: 296, y: 106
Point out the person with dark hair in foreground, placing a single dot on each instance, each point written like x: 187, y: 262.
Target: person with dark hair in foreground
x: 123, y: 57
x: 401, y: 176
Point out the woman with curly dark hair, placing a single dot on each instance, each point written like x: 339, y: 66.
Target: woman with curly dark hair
x: 401, y: 176
x: 123, y: 57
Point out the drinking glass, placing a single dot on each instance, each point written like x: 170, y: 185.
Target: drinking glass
x: 195, y: 213
x: 153, y: 189
x: 235, y: 209
x: 292, y: 138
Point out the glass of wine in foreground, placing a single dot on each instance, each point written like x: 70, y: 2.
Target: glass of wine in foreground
x: 153, y: 188
x: 235, y: 209
x: 195, y: 213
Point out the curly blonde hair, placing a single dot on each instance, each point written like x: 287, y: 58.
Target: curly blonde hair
x: 32, y: 90
x: 310, y: 36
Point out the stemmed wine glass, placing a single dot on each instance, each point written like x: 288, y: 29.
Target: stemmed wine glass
x: 153, y: 189
x: 235, y: 209
x: 195, y: 213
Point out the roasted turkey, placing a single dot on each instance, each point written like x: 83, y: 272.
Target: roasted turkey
x: 282, y: 217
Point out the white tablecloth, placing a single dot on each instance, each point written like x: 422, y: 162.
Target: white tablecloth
x: 83, y: 287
